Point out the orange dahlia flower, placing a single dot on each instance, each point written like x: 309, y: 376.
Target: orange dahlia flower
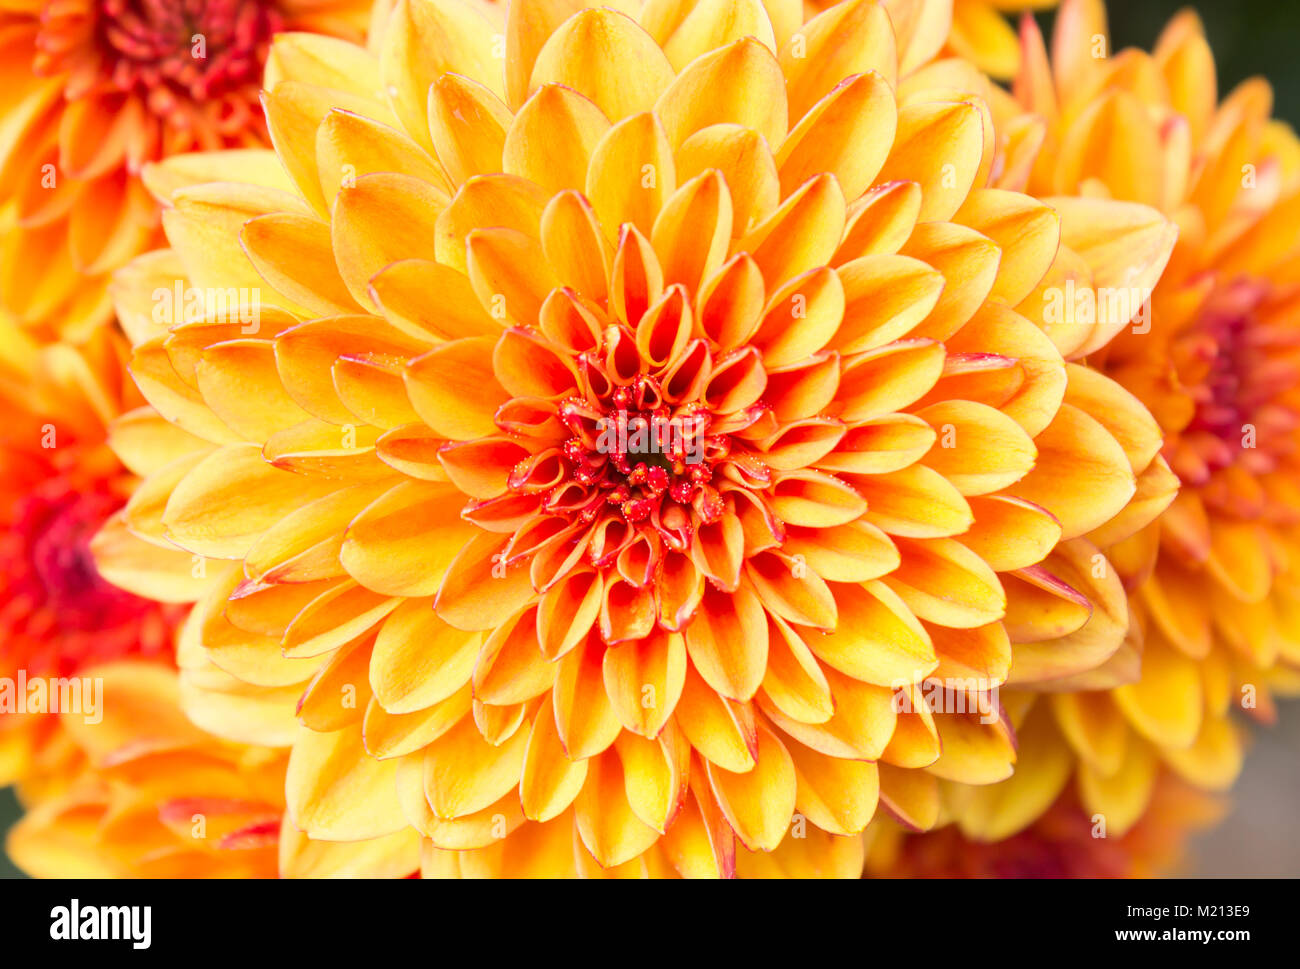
x: 603, y: 462
x: 1212, y: 582
x: 61, y: 483
x: 91, y: 92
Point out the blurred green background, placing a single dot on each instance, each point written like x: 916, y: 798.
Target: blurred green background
x: 1249, y: 37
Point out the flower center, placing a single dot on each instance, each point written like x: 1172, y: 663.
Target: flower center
x: 655, y: 449
x: 632, y: 451
x: 168, y: 52
x: 57, y: 532
x: 1235, y: 394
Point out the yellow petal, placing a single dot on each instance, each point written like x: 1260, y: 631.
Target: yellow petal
x: 606, y: 823
x: 839, y: 796
x: 1166, y: 705
x: 550, y: 780
x: 1083, y: 476
x: 380, y: 219
x: 737, y: 84
x: 552, y: 138
x: 228, y: 499
x: 878, y: 639
x: 606, y: 57
x: 418, y: 660
x: 644, y: 680
x: 727, y: 642
x: 583, y: 713
x: 387, y: 547
x: 425, y: 39
x: 467, y: 125
x: 759, y: 803
x: 454, y: 389
x: 939, y: 145
x: 848, y: 133
x: 841, y: 41
x: 334, y: 790
x: 464, y: 774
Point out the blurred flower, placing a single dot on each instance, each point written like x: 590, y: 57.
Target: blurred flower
x: 91, y: 92
x: 1063, y: 842
x: 425, y: 340
x: 145, y: 794
x: 59, y: 484
x: 1212, y: 583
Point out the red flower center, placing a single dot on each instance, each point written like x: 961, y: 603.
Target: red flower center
x: 194, y: 65
x: 58, y: 534
x: 1244, y: 375
x: 633, y: 451
x: 649, y: 446
x: 57, y: 613
x: 204, y: 48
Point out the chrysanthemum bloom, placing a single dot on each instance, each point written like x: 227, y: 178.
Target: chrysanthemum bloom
x: 1064, y: 842
x: 59, y: 484
x: 90, y: 92
x: 144, y: 793
x: 1213, y: 587
x: 628, y: 444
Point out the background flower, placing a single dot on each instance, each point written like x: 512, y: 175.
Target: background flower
x: 144, y: 793
x: 977, y: 30
x: 61, y: 483
x: 90, y: 93
x: 1063, y: 842
x: 1211, y: 581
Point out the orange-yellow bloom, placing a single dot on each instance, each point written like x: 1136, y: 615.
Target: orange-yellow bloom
x: 92, y: 91
x: 59, y: 483
x: 144, y: 793
x: 620, y: 449
x: 1212, y: 583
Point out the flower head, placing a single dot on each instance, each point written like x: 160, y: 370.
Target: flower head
x: 1209, y: 574
x: 61, y: 483
x: 143, y: 793
x: 98, y: 88
x: 630, y: 442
